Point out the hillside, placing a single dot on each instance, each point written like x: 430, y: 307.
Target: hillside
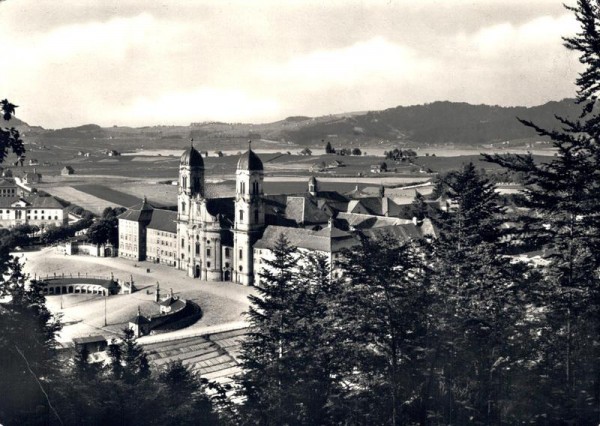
x: 435, y: 124
x: 438, y: 123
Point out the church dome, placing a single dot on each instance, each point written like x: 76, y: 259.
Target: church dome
x: 191, y: 157
x: 250, y: 161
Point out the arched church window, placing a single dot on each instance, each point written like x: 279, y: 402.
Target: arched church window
x: 241, y: 215
x: 183, y: 207
x: 197, y: 249
x: 184, y: 181
x: 183, y: 243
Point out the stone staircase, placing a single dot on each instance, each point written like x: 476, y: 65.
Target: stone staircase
x: 214, y: 356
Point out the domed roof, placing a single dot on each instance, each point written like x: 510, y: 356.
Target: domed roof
x: 250, y: 161
x: 191, y: 157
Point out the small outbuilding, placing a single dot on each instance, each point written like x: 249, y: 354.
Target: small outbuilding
x: 67, y: 170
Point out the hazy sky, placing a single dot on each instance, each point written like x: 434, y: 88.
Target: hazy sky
x: 142, y: 62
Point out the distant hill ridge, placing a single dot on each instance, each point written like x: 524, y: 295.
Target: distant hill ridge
x: 441, y: 122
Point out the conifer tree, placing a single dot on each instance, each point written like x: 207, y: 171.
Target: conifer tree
x: 265, y: 376
x: 480, y: 303
x: 380, y: 318
x: 312, y: 357
x: 27, y: 350
x: 183, y: 398
x: 563, y: 195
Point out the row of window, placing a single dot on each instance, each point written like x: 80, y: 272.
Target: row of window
x: 255, y: 188
x: 165, y: 234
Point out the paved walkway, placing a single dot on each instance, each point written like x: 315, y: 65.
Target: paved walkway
x: 221, y: 302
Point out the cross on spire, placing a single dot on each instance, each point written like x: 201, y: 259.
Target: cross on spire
x: 249, y: 145
x: 192, y: 142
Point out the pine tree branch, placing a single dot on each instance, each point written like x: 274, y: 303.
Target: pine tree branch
x: 39, y: 384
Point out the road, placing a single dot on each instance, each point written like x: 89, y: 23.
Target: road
x: 221, y: 302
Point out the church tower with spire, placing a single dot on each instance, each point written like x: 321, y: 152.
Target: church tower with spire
x: 190, y: 192
x: 249, y: 215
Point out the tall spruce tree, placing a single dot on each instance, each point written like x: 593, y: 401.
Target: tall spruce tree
x: 27, y: 328
x: 380, y: 320
x: 265, y: 376
x: 313, y: 342
x: 27, y: 350
x: 480, y: 305
x: 563, y: 195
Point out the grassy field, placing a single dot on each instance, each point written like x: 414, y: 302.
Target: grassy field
x: 89, y: 202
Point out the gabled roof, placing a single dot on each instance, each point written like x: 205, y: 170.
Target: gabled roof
x: 304, y: 210
x: 325, y: 240
x: 163, y: 220
x: 366, y: 221
x: 7, y: 183
x: 47, y: 202
x: 32, y: 201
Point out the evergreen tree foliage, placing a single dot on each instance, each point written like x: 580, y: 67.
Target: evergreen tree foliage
x: 480, y: 305
x: 329, y: 149
x: 10, y: 139
x: 563, y: 195
x: 380, y: 318
x: 265, y: 376
x: 27, y: 350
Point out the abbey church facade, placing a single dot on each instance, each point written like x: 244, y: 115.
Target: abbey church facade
x: 227, y: 238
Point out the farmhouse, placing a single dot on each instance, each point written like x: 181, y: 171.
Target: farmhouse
x: 32, y: 177
x: 31, y: 210
x: 67, y: 170
x: 226, y: 238
x: 8, y: 188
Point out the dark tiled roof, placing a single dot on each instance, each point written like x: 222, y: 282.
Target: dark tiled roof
x: 323, y: 240
x: 10, y: 183
x: 163, y: 220
x: 88, y: 339
x: 44, y: 202
x: 221, y: 206
x: 381, y: 206
x: 34, y: 201
x: 139, y: 213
